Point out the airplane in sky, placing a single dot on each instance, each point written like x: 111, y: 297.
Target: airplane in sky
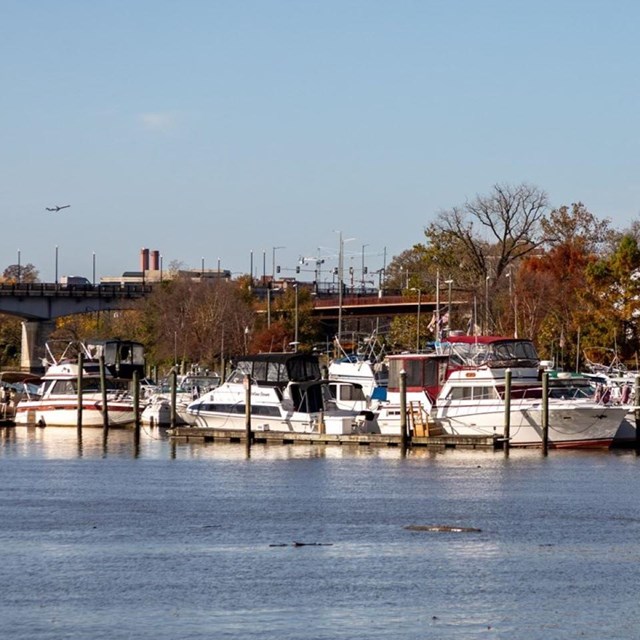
x: 56, y: 208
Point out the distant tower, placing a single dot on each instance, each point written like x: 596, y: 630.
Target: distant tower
x: 155, y: 260
x: 144, y: 260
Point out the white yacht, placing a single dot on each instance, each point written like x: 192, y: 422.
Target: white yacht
x: 56, y: 401
x: 460, y: 390
x: 287, y: 394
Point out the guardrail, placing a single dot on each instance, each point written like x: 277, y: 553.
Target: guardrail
x: 80, y: 290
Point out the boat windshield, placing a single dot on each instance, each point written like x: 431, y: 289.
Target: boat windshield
x: 498, y: 353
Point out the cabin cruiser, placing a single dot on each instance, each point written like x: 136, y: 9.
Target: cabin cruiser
x: 287, y: 394
x: 459, y: 389
x: 56, y: 401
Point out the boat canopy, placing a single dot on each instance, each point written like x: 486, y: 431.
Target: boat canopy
x: 276, y: 368
x: 491, y: 351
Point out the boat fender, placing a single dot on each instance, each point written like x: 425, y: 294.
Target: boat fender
x: 625, y: 396
x: 598, y: 394
x: 368, y: 415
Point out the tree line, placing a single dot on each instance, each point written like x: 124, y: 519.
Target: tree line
x: 509, y: 262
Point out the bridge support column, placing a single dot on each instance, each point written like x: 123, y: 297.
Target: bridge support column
x: 35, y: 334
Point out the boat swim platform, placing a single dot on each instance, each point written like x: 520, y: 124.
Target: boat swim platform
x: 201, y: 435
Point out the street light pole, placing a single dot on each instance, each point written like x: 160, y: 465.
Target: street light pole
x: 363, y: 246
x: 486, y: 305
x: 295, y: 346
x: 340, y: 280
x: 418, y: 319
x: 449, y: 283
x: 438, y: 303
x: 19, y: 268
x: 94, y: 269
x: 273, y: 262
x: 56, y: 280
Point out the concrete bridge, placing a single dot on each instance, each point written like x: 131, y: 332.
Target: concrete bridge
x: 39, y: 304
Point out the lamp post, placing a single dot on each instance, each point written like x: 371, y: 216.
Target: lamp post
x: 438, y: 303
x: 341, y: 280
x: 94, y: 269
x: 56, y: 279
x: 160, y: 268
x: 363, y: 271
x: 19, y: 268
x: 340, y: 266
x: 449, y: 283
x: 418, y: 319
x: 486, y: 305
x: 202, y: 269
x: 295, y: 339
x: 273, y: 261
x: 513, y: 298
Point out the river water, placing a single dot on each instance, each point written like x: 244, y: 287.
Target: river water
x: 196, y: 541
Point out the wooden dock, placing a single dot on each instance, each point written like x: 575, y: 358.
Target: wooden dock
x: 202, y: 435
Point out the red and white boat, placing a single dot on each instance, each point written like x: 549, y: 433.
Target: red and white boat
x: 460, y: 389
x: 56, y: 402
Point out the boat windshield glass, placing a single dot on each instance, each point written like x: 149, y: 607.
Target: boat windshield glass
x: 508, y: 351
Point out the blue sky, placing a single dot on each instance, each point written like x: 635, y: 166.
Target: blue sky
x: 213, y: 129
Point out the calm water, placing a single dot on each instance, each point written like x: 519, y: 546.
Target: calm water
x: 177, y: 542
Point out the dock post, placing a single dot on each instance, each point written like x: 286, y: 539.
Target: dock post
x: 636, y: 402
x: 507, y: 411
x: 174, y: 384
x: 545, y: 413
x: 321, y: 425
x: 136, y: 408
x: 80, y: 376
x: 247, y: 412
x: 403, y: 411
x: 105, y: 408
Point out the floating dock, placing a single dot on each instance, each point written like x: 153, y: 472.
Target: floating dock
x: 202, y: 435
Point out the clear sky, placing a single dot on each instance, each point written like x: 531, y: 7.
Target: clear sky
x: 214, y: 128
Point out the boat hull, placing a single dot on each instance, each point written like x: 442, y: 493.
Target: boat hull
x: 570, y: 425
x: 62, y: 413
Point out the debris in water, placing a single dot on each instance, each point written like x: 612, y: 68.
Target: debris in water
x: 441, y: 528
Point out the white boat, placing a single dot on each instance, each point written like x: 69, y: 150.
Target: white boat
x: 287, y: 394
x: 356, y: 381
x: 460, y: 390
x: 56, y: 401
x: 190, y: 386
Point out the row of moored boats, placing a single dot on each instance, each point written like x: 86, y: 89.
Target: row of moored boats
x: 459, y: 388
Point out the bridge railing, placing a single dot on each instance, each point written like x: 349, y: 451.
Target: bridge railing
x: 81, y: 290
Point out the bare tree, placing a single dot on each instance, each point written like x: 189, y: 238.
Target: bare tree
x: 21, y: 273
x: 493, y: 230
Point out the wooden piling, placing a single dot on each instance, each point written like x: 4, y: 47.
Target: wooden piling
x: 103, y: 389
x: 173, y: 377
x: 80, y: 377
x: 136, y: 407
x: 636, y: 402
x: 507, y: 411
x: 545, y: 413
x: 403, y: 410
x: 247, y: 412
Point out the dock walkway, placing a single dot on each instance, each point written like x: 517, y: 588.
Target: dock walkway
x: 202, y: 434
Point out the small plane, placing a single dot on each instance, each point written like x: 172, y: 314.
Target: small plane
x: 56, y: 208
